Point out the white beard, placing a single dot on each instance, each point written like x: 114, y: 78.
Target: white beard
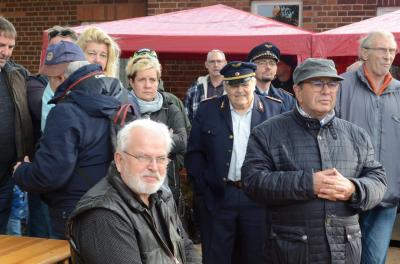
x: 138, y: 186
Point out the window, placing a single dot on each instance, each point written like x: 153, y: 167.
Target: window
x: 385, y: 10
x: 289, y: 12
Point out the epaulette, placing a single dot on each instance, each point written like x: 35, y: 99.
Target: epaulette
x: 274, y: 99
x: 208, y: 99
x: 286, y: 92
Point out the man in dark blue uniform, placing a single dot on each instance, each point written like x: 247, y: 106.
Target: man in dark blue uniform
x: 266, y: 57
x: 230, y: 221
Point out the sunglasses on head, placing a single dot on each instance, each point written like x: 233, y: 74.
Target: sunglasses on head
x: 145, y: 52
x: 62, y: 33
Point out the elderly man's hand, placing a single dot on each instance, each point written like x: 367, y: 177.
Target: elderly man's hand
x: 26, y: 159
x: 336, y: 187
x: 332, y: 185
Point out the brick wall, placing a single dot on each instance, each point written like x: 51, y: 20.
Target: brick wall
x: 321, y: 15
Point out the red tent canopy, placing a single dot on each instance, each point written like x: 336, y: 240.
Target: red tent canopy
x: 196, y: 31
x: 341, y: 43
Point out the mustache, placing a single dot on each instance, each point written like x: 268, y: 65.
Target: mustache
x: 152, y: 174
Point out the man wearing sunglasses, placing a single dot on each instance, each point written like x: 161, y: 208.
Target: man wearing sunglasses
x: 314, y: 173
x: 370, y: 98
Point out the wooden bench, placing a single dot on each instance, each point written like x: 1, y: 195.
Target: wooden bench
x: 31, y: 250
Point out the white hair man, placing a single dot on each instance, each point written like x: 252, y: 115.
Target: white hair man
x: 135, y: 212
x: 370, y: 98
x: 75, y: 150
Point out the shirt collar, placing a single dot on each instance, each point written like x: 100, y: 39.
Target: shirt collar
x: 325, y: 120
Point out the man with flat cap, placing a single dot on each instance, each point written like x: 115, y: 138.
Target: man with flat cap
x: 75, y: 149
x: 215, y: 152
x: 314, y: 173
x: 266, y: 56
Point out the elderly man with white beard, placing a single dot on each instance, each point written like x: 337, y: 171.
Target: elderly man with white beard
x: 130, y: 214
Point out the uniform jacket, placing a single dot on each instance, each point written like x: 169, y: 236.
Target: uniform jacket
x: 16, y: 78
x: 380, y: 117
x: 75, y: 149
x: 287, y: 99
x: 282, y: 154
x: 112, y: 194
x: 210, y: 143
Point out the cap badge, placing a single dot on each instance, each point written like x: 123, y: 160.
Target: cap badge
x: 49, y: 56
x: 268, y: 46
x: 236, y: 65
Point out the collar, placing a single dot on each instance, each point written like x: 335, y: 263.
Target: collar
x: 386, y: 81
x: 325, y: 120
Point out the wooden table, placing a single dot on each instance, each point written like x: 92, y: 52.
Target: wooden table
x: 31, y: 250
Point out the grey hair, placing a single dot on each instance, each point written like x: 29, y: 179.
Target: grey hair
x: 7, y: 29
x: 150, y: 125
x: 73, y: 66
x: 366, y: 41
x: 211, y: 52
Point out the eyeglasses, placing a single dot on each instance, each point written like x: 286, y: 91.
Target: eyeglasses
x: 145, y: 52
x: 382, y: 51
x: 147, y: 160
x: 62, y: 33
x: 265, y: 62
x: 318, y: 85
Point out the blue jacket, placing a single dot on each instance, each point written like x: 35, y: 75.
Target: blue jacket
x: 75, y: 150
x: 210, y: 143
x: 287, y: 99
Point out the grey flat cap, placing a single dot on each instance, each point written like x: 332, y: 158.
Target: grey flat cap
x: 314, y: 67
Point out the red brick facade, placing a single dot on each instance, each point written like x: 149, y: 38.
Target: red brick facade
x: 31, y: 17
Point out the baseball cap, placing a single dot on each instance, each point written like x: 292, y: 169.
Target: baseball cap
x: 59, y: 55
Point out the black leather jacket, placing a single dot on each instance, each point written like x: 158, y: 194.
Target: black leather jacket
x: 113, y: 195
x: 282, y: 155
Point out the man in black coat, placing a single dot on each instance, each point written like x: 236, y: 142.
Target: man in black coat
x: 314, y: 173
x: 215, y: 152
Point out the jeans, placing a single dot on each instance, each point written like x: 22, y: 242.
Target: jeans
x: 376, y: 227
x: 14, y: 227
x: 6, y: 195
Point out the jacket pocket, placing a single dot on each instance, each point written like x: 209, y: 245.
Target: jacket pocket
x: 353, y: 244
x: 287, y: 244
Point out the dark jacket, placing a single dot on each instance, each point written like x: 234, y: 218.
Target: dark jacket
x: 282, y: 155
x: 16, y: 78
x: 112, y: 194
x: 380, y: 117
x: 287, y: 99
x: 211, y: 141
x: 75, y: 150
x: 35, y: 88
